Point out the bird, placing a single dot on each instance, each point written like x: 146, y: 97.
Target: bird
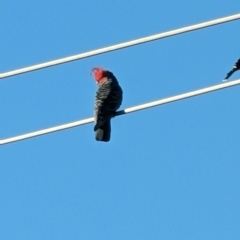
x: 108, y: 99
x: 235, y: 68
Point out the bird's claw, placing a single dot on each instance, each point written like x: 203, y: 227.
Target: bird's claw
x: 114, y: 114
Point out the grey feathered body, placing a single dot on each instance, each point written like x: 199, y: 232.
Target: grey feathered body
x: 108, y: 99
x: 237, y: 64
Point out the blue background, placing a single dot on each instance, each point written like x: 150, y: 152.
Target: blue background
x: 170, y: 172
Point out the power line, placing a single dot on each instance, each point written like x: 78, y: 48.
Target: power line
x: 126, y: 111
x: 120, y: 46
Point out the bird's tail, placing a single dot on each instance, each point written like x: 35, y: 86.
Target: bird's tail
x: 103, y: 133
x: 230, y: 73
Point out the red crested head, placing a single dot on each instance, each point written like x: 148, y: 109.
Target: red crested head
x: 98, y: 73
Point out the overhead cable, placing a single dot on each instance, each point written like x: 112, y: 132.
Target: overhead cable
x: 120, y: 46
x: 122, y: 112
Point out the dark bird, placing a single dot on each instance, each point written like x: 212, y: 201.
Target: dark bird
x: 108, y: 99
x: 235, y: 68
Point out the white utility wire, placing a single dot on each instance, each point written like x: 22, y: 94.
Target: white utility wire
x: 121, y: 45
x: 128, y: 110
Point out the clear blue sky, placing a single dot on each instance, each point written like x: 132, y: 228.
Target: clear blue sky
x: 170, y: 172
